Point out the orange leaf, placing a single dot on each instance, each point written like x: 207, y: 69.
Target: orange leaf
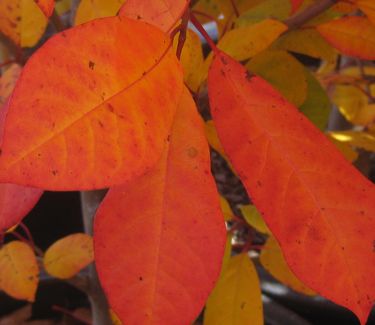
x: 169, y: 231
x: 67, y: 256
x: 46, y: 6
x: 161, y: 13
x: 351, y: 35
x: 320, y: 208
x: 368, y: 7
x: 18, y: 270
x: 89, y: 115
x: 15, y: 203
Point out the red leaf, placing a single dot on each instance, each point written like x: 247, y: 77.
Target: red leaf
x: 161, y: 13
x: 15, y: 203
x: 159, y: 240
x: 319, y: 207
x: 87, y: 114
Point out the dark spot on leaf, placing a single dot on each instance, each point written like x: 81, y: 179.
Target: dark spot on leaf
x: 140, y: 278
x: 192, y: 152
x: 243, y: 305
x: 91, y: 65
x: 54, y: 172
x: 249, y: 75
x: 110, y: 107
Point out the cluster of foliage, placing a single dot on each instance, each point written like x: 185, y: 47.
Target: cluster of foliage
x: 110, y: 103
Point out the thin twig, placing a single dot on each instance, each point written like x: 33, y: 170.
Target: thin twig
x: 71, y: 314
x: 203, y: 32
x: 310, y: 12
x: 235, y: 9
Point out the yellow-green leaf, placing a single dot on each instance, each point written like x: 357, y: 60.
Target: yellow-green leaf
x: 68, y: 256
x: 225, y: 208
x: 351, y: 101
x: 191, y: 59
x: 236, y: 299
x: 282, y: 71
x: 308, y: 42
x: 357, y: 139
x: 22, y: 21
x: 345, y: 148
x: 244, y: 42
x: 273, y: 261
x: 253, y: 218
x: 91, y: 9
x: 277, y: 9
x: 18, y: 271
x: 317, y: 105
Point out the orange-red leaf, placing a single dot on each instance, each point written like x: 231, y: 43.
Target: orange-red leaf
x: 46, y: 6
x: 352, y: 35
x: 320, y: 208
x: 161, y: 13
x: 87, y: 114
x: 15, y: 202
x: 159, y: 240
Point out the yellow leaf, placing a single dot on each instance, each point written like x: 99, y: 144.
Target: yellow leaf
x: 282, y: 71
x: 191, y: 59
x: 236, y: 299
x: 63, y: 6
x: 308, y: 42
x: 68, y: 256
x: 225, y: 208
x: 212, y: 138
x: 114, y: 318
x: 346, y: 149
x: 22, y: 21
x: 244, y: 42
x: 254, y: 219
x: 18, y: 271
x: 7, y: 82
x: 357, y: 139
x: 351, y: 101
x: 91, y: 9
x: 273, y: 261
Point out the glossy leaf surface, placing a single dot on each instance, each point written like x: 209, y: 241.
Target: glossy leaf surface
x: 89, y: 115
x: 172, y: 244
x: 18, y: 271
x: 69, y: 255
x: 322, y: 209
x: 352, y: 35
x: 236, y: 299
x: 162, y: 13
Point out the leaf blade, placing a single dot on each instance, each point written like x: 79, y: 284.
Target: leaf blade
x: 106, y: 107
x: 295, y: 164
x: 174, y: 266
